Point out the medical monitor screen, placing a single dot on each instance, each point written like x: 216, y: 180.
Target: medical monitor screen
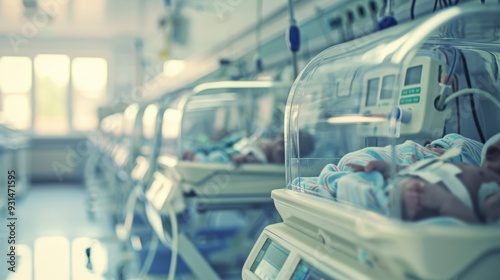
x: 372, y: 92
x: 388, y: 83
x: 305, y: 271
x: 269, y: 261
x: 413, y: 75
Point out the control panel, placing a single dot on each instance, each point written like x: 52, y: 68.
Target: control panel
x: 413, y: 106
x: 282, y: 252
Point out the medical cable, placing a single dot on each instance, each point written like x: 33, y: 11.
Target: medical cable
x: 448, y: 78
x: 455, y: 82
x: 494, y: 62
x: 453, y: 66
x: 172, y: 242
x: 457, y: 104
x: 471, y: 98
x: 471, y: 91
x: 126, y: 227
x: 175, y: 242
x: 148, y: 262
x: 440, y: 103
x: 412, y: 9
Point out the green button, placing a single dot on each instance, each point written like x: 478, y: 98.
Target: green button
x: 409, y: 91
x: 409, y: 100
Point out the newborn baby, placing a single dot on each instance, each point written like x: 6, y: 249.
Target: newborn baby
x: 260, y: 151
x: 433, y: 188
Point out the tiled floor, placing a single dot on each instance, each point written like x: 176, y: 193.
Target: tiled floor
x: 52, y: 233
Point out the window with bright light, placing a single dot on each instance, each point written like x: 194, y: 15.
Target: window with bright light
x: 52, y: 72
x: 15, y: 88
x: 57, y: 107
x: 89, y: 79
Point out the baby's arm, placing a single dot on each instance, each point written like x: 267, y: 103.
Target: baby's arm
x: 453, y: 207
x: 376, y: 165
x: 419, y: 197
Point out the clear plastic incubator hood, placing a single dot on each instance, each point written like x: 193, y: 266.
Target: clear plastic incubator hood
x: 402, y: 187
x: 205, y: 126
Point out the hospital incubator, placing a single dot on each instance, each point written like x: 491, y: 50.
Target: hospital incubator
x: 236, y: 114
x: 144, y: 191
x: 109, y: 170
x: 414, y: 102
x: 116, y: 146
x: 137, y: 160
x: 129, y: 146
x: 101, y: 167
x: 226, y: 117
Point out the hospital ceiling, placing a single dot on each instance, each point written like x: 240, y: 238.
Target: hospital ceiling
x: 201, y: 23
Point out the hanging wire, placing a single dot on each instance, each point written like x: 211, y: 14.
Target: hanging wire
x: 258, y: 36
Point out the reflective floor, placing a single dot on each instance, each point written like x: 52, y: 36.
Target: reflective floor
x: 53, y: 233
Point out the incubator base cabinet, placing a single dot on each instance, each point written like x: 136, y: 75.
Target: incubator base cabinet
x: 282, y: 252
x: 332, y: 243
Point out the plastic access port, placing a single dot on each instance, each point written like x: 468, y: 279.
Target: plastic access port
x: 373, y: 7
x: 361, y: 11
x: 335, y: 22
x: 350, y: 16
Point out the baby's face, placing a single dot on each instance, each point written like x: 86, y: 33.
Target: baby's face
x: 492, y: 158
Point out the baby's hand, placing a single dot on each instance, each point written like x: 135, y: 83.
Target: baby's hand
x: 436, y: 148
x: 377, y: 165
x: 356, y: 167
x: 417, y: 196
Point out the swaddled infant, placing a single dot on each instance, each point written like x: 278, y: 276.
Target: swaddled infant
x: 436, y: 188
